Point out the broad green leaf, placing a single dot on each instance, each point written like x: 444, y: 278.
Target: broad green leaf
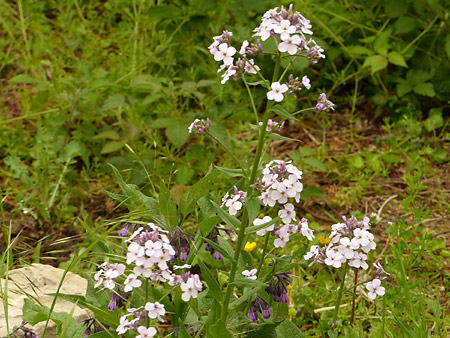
x: 425, y: 89
x: 213, y: 286
x: 312, y: 192
x: 208, y: 224
x: 109, y: 134
x: 396, y: 8
x: 231, y: 172
x: 435, y: 120
x: 164, y: 12
x: 252, y: 205
x: 167, y: 206
x: 397, y: 59
x: 178, y: 134
x: 360, y: 50
x: 440, y: 155
x: 111, y: 147
x: 315, y: 163
x: 263, y: 330
x: 23, y: 78
x: 113, y: 102
x: 403, y: 88
x: 287, y: 329
x: 230, y: 220
x: 219, y: 329
x: 197, y: 191
x: 355, y: 161
x: 405, y: 24
x: 279, y: 110
x: 306, y: 151
x: 375, y: 62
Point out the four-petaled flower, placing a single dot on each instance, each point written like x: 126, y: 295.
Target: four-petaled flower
x: 250, y: 274
x: 276, y: 94
x: 225, y: 53
x: 375, y: 289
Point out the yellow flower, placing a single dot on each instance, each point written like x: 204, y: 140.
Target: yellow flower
x: 324, y: 240
x: 250, y: 246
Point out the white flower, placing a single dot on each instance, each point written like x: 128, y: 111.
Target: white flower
x: 306, y: 82
x: 191, y: 288
x: 243, y: 47
x: 375, y: 289
x: 334, y: 258
x: 265, y: 28
x: 155, y: 310
x: 290, y: 44
x: 347, y: 248
x: 305, y: 230
x: 131, y: 282
x: 124, y: 325
x: 314, y: 251
x: 135, y: 253
x: 250, y: 274
x: 277, y: 91
x: 193, y: 125
x: 234, y: 205
x: 287, y: 214
x: 226, y: 76
x: 285, y: 29
x: 225, y: 53
x: 259, y: 221
x: 146, y: 332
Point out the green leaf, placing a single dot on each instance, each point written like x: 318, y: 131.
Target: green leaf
x: 198, y: 190
x: 397, y: 59
x: 435, y: 120
x: 439, y: 155
x: 275, y: 136
x: 246, y: 282
x: 312, y: 192
x: 178, y: 134
x: 167, y: 206
x: 279, y: 110
x: 375, y: 62
x: 395, y: 8
x: 219, y: 329
x: 111, y: 147
x: 23, y: 78
x: 355, y: 161
x: 360, y: 50
x: 405, y: 24
x: 315, y: 163
x: 218, y: 248
x: 213, y: 286
x: 230, y: 220
x: 287, y: 329
x: 208, y: 224
x: 133, y: 198
x: 252, y: 205
x: 113, y: 102
x: 425, y: 89
x: 403, y: 88
x: 109, y: 134
x: 231, y: 172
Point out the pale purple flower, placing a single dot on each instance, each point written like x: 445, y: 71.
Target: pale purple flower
x: 250, y: 274
x: 277, y: 91
x: 225, y: 53
x: 375, y: 289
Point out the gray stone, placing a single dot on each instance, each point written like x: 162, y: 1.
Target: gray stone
x: 36, y: 282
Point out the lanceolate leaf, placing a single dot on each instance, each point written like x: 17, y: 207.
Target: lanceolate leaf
x: 198, y: 190
x: 209, y: 278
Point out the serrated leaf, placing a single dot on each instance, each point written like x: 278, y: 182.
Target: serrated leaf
x: 375, y: 62
x: 425, y: 89
x: 213, y: 286
x: 315, y: 163
x: 397, y: 59
x: 279, y: 110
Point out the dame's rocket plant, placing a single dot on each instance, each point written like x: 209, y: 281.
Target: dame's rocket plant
x: 264, y: 206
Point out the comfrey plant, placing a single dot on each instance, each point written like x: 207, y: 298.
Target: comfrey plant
x: 215, y: 282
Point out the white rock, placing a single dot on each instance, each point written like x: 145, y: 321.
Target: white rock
x: 36, y: 282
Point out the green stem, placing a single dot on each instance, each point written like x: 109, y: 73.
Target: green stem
x: 255, y: 111
x: 266, y: 242
x: 340, y: 293
x: 241, y: 234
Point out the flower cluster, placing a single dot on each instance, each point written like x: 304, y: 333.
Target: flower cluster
x: 323, y: 104
x: 278, y: 287
x: 235, y: 201
x: 108, y: 274
x: 222, y: 51
x: 350, y: 242
x: 281, y: 181
x: 273, y: 125
x: 136, y: 317
x: 201, y: 126
x: 289, y: 28
x: 258, y: 305
x: 295, y: 85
